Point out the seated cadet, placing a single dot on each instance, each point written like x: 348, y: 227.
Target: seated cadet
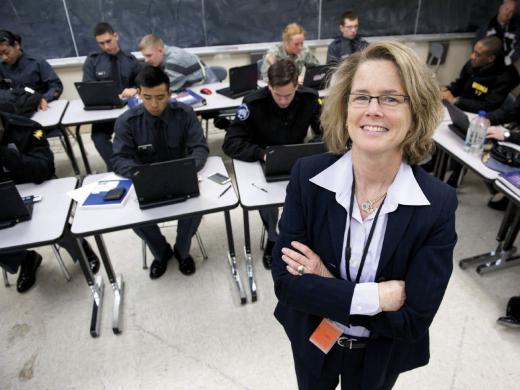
x: 506, y: 26
x: 111, y: 63
x: 348, y: 42
x: 25, y: 157
x: 170, y: 131
x: 278, y: 114
x: 291, y: 48
x: 182, y: 67
x: 26, y: 71
x: 484, y: 81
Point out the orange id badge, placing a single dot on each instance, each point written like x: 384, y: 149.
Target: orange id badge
x: 325, y: 335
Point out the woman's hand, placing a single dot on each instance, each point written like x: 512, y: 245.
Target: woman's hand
x: 495, y: 132
x: 304, y: 261
x: 392, y: 295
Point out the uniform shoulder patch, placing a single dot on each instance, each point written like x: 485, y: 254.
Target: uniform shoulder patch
x: 243, y: 112
x: 38, y: 134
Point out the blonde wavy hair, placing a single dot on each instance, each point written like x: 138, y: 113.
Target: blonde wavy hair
x: 290, y: 30
x: 418, y: 84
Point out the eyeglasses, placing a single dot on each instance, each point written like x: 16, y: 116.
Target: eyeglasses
x: 361, y: 101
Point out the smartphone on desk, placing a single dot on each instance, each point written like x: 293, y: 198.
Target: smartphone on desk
x: 219, y: 178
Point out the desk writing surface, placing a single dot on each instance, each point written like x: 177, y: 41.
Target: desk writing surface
x: 454, y: 145
x: 77, y: 115
x: 513, y: 194
x: 48, y: 218
x: 215, y: 101
x: 100, y: 220
x: 252, y: 197
x: 52, y: 115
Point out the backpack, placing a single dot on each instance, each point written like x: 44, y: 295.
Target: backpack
x: 17, y: 100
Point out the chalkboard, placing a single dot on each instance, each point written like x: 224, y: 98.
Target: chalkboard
x: 64, y: 28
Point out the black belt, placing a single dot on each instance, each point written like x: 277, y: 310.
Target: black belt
x: 349, y: 342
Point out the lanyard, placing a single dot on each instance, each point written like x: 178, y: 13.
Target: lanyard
x: 348, y: 250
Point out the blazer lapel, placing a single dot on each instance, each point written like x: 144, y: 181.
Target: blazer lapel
x: 337, y: 217
x: 397, y: 223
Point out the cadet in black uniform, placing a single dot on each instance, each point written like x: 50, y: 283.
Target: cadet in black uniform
x: 278, y: 114
x: 158, y: 131
x: 484, y: 81
x: 109, y: 64
x: 27, y: 71
x: 25, y: 157
x: 348, y: 42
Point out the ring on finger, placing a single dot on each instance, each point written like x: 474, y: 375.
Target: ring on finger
x: 301, y: 269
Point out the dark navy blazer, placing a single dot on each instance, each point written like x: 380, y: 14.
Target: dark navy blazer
x: 417, y: 248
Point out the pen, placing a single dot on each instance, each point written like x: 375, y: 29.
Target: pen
x: 260, y: 188
x: 226, y: 190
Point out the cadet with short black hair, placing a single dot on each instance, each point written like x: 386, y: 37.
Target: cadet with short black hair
x: 348, y: 42
x: 27, y: 71
x: 111, y: 63
x: 278, y: 114
x: 156, y: 131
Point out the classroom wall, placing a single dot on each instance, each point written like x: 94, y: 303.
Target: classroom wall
x: 458, y: 53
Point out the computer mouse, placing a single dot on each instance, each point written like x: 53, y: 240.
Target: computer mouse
x: 206, y: 91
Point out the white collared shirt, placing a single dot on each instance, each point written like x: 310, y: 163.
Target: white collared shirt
x: 404, y: 190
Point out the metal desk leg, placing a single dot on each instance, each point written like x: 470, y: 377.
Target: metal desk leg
x: 248, y: 257
x: 115, y: 281
x: 96, y: 288
x: 506, y: 258
x: 232, y: 259
x: 501, y: 235
x: 83, y: 151
x: 68, y: 150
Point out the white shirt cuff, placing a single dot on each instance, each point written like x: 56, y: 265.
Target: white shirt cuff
x: 365, y: 299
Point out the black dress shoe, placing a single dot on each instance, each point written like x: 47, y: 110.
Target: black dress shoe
x: 509, y: 321
x: 186, y: 264
x: 499, y: 205
x: 267, y: 258
x: 92, y: 258
x: 158, y: 268
x: 27, y: 276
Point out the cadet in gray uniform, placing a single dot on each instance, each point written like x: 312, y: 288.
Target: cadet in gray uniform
x: 279, y: 114
x: 155, y: 131
x: 182, y: 67
x: 109, y: 64
x: 27, y: 71
x: 291, y: 48
x: 348, y: 42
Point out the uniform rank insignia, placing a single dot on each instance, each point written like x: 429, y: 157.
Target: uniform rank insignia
x: 38, y: 134
x: 479, y: 88
x: 243, y: 112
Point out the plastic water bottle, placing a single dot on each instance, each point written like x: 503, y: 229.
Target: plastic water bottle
x: 476, y: 135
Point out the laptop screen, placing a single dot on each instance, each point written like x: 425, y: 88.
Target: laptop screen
x: 165, y: 182
x: 12, y: 206
x: 459, y: 119
x: 243, y: 78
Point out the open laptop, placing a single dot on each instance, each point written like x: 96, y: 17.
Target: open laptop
x: 165, y: 182
x: 13, y: 208
x: 316, y: 77
x: 242, y: 81
x: 281, y: 158
x: 459, y: 119
x: 99, y: 95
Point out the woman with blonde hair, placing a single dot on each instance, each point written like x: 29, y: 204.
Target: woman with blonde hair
x: 366, y: 238
x: 290, y: 48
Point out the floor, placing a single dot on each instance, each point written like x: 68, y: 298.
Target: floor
x: 191, y: 332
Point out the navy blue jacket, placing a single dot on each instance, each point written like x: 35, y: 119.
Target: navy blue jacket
x: 35, y: 73
x: 417, y: 248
